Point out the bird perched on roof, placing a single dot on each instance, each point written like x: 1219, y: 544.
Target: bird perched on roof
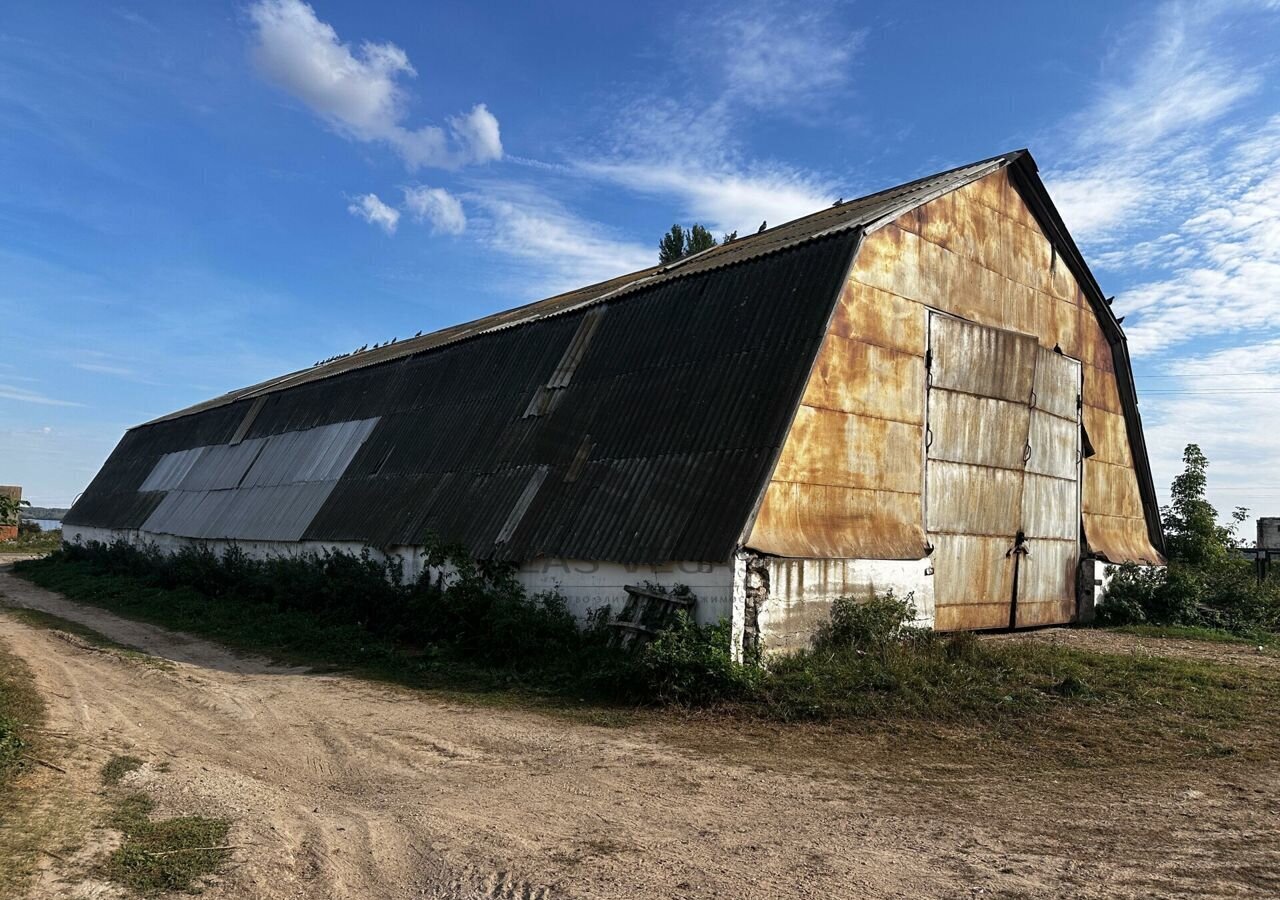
x: 838, y: 202
x: 763, y: 226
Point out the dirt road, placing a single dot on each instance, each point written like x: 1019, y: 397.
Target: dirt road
x: 342, y: 788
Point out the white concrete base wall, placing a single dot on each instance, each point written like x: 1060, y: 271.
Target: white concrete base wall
x: 584, y: 584
x: 587, y: 585
x: 801, y: 592
x: 412, y: 557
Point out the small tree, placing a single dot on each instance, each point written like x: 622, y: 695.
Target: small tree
x: 1207, y: 582
x: 1192, y: 533
x: 679, y: 243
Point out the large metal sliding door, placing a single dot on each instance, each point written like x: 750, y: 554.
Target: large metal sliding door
x: 1002, y: 494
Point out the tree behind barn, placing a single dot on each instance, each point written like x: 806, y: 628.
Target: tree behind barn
x: 679, y: 243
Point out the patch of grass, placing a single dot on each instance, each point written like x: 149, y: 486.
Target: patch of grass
x: 21, y: 713
x: 119, y: 766
x: 20, y: 710
x: 91, y: 636
x: 162, y: 855
x: 33, y: 542
x: 1198, y: 633
x: 869, y: 669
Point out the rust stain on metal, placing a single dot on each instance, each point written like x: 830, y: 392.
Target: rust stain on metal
x: 813, y: 521
x: 838, y: 448
x: 863, y: 379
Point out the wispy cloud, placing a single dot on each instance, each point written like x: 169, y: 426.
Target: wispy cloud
x: 687, y: 154
x: 22, y: 395
x: 1140, y: 146
x: 436, y: 206
x: 105, y: 369
x: 564, y: 249
x: 375, y: 212
x: 772, y: 57
x: 359, y: 92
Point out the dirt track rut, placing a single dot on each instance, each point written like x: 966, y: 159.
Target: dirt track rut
x: 347, y: 789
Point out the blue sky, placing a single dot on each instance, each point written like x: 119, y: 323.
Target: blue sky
x: 199, y: 196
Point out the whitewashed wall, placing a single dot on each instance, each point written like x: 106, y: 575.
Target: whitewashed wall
x: 801, y: 592
x: 584, y: 584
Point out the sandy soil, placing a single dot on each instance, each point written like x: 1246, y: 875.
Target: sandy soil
x: 343, y: 788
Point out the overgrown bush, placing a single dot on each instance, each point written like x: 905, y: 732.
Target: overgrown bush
x: 1207, y: 582
x: 867, y: 624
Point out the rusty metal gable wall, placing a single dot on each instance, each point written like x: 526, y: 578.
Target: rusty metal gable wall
x: 979, y: 253
x: 654, y: 450
x: 849, y: 479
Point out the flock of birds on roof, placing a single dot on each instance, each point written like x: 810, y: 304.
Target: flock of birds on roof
x: 362, y: 349
x: 324, y: 362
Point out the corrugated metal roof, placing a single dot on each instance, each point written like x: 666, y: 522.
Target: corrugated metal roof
x: 686, y: 389
x: 859, y: 213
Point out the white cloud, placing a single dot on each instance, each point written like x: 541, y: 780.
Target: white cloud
x: 780, y: 58
x: 437, y: 206
x: 563, y: 249
x: 105, y: 369
x: 1222, y: 401
x: 22, y: 395
x: 375, y: 212
x: 1221, y: 270
x: 359, y: 92
x: 1140, y: 147
x: 677, y: 151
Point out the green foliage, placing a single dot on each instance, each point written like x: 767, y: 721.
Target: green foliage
x: 691, y: 665
x: 159, y: 856
x: 119, y: 766
x: 9, y: 508
x: 1207, y: 583
x: 20, y: 708
x: 680, y: 242
x: 867, y: 624
x: 33, y: 540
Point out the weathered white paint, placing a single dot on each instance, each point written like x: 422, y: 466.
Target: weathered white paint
x: 801, y: 592
x: 412, y: 558
x: 589, y: 584
x: 584, y: 584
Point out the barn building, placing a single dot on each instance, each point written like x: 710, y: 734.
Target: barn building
x: 923, y: 389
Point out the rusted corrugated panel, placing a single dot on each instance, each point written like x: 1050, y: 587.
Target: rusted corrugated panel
x: 1057, y: 385
x: 1050, y: 508
x: 972, y: 582
x: 965, y: 499
x: 861, y: 378
x: 1120, y: 539
x: 1047, y: 582
x: 983, y: 431
x: 830, y: 447
x: 1053, y: 446
x: 976, y: 359
x: 818, y: 521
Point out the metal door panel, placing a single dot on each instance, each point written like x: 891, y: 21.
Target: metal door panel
x: 973, y: 581
x: 982, y: 430
x: 1053, y: 446
x: 973, y: 358
x: 1047, y: 583
x: 973, y: 499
